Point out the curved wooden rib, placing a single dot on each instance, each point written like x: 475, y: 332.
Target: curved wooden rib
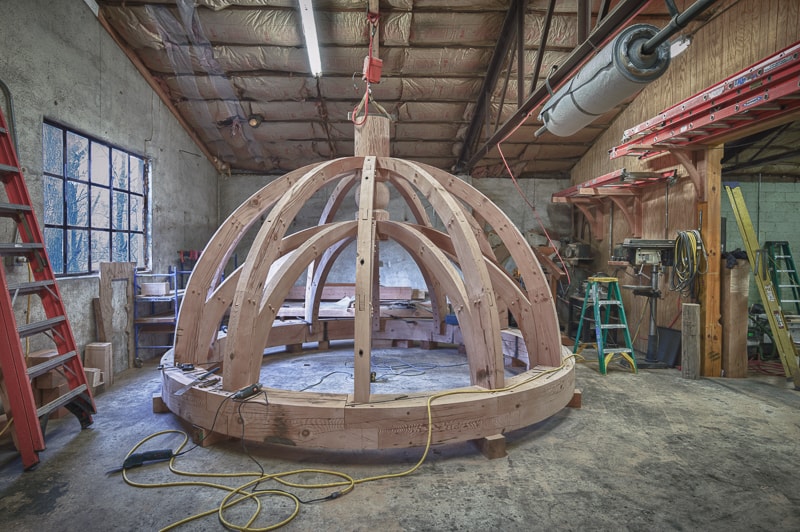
x: 208, y: 270
x: 507, y: 289
x: 485, y: 323
x: 242, y: 355
x: 543, y: 307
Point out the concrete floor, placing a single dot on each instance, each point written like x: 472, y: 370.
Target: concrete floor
x: 645, y: 452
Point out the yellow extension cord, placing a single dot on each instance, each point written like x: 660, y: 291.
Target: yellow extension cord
x: 347, y: 484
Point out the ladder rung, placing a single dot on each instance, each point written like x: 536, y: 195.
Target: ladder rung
x: 613, y: 326
x: 60, y: 401
x: 44, y: 367
x: 40, y: 326
x: 790, y: 300
x: 18, y: 249
x: 34, y: 287
x: 616, y: 350
x: 7, y: 169
x: 609, y: 302
x: 3, y: 131
x: 12, y: 210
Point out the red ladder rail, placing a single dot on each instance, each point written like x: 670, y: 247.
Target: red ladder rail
x: 17, y: 377
x: 766, y: 90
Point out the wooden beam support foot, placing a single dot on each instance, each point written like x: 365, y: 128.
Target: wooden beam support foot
x: 492, y: 447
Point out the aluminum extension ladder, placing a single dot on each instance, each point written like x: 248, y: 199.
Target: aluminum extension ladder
x: 769, y: 297
x: 603, y: 315
x: 17, y: 378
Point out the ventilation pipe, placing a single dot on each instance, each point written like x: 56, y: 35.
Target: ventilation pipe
x: 637, y: 56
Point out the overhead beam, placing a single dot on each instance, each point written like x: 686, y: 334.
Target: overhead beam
x: 537, y: 67
x: 612, y: 24
x: 499, y: 55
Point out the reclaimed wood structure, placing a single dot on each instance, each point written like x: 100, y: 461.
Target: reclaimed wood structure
x: 463, y: 277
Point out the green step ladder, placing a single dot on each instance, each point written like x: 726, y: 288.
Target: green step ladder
x: 603, y: 315
x: 784, y: 274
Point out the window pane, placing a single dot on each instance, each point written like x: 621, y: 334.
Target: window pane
x: 137, y: 175
x: 77, y: 250
x: 137, y: 213
x: 119, y: 169
x: 53, y: 149
x: 101, y: 207
x: 53, y: 242
x: 77, y: 157
x: 101, y: 251
x: 120, y: 208
x: 120, y: 251
x: 77, y: 204
x: 100, y: 163
x: 53, y: 200
x: 137, y: 249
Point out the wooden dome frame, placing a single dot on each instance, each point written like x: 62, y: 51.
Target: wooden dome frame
x: 458, y: 266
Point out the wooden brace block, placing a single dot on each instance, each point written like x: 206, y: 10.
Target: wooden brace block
x: 492, y: 446
x: 424, y: 344
x: 206, y: 438
x: 159, y: 406
x: 323, y: 345
x: 575, y: 402
x: 401, y: 343
x: 294, y: 348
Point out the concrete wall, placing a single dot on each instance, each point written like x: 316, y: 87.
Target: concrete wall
x: 397, y: 267
x: 61, y: 64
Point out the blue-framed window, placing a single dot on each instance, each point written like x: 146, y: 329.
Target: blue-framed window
x: 95, y: 202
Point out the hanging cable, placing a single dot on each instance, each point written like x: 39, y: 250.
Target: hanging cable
x: 690, y: 259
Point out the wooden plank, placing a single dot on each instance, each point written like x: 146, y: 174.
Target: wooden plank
x: 691, y: 341
x: 337, y: 291
x: 735, y: 291
x: 711, y: 216
x: 109, y: 273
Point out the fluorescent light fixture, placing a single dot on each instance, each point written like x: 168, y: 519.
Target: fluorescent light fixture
x: 310, y: 32
x: 679, y: 46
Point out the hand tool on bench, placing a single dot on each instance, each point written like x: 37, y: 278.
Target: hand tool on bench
x: 198, y: 380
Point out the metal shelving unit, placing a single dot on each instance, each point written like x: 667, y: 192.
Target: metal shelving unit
x: 155, y: 314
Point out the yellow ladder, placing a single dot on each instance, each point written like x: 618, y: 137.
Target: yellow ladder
x: 769, y: 297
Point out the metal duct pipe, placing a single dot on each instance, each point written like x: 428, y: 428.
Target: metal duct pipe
x: 638, y: 55
x: 617, y: 72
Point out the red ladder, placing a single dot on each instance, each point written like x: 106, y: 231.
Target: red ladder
x: 769, y: 89
x: 16, y: 376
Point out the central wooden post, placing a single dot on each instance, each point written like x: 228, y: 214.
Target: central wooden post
x: 371, y: 140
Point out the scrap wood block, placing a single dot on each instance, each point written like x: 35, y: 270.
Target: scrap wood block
x: 94, y: 377
x: 492, y: 446
x: 575, y: 402
x: 41, y: 356
x: 51, y: 379
x: 159, y: 406
x: 51, y: 394
x: 100, y: 355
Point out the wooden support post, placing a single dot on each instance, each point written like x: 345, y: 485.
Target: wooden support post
x: 710, y: 229
x: 690, y: 341
x: 206, y: 438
